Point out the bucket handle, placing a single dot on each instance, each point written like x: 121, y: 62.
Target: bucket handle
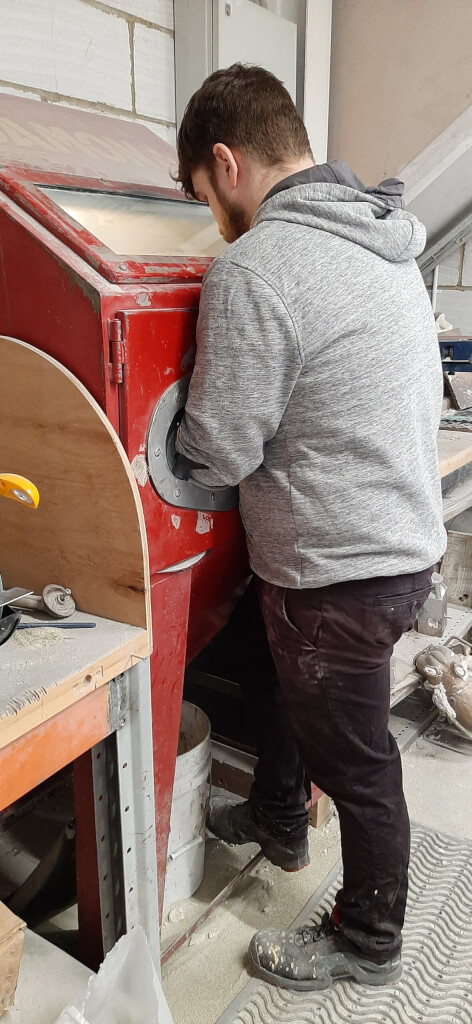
x: 185, y: 848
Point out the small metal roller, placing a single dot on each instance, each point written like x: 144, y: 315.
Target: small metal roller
x: 54, y: 600
x: 58, y: 601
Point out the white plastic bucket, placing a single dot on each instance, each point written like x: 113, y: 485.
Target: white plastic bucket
x: 186, y: 853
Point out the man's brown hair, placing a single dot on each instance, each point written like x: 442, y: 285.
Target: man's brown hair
x: 243, y: 107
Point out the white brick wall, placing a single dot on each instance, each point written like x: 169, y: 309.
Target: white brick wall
x: 154, y: 73
x: 115, y: 55
x: 68, y: 48
x: 159, y: 12
x: 12, y: 90
x: 166, y: 132
x: 449, y: 270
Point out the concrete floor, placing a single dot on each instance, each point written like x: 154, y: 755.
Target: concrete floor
x: 438, y: 787
x: 204, y: 976
x: 213, y: 964
x: 49, y: 981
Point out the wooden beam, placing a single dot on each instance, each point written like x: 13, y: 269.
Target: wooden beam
x: 455, y: 450
x: 38, y: 754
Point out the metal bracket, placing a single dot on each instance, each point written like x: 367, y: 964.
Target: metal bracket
x: 116, y: 703
x: 173, y: 490
x: 457, y: 641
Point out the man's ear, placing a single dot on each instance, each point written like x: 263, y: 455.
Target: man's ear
x: 226, y: 166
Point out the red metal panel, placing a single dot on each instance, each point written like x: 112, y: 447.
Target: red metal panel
x: 88, y: 886
x: 113, y: 266
x: 46, y: 300
x: 218, y: 581
x: 170, y: 604
x: 42, y: 143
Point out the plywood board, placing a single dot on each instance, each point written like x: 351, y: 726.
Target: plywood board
x: 88, y: 532
x: 44, y: 671
x: 455, y: 450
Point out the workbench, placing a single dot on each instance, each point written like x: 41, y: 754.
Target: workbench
x: 66, y: 692
x: 80, y: 696
x: 454, y: 449
x: 455, y: 452
x: 455, y: 455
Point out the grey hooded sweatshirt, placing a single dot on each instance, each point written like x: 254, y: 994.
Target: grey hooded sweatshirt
x: 317, y: 385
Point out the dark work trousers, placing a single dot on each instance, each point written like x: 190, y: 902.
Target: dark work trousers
x: 319, y: 697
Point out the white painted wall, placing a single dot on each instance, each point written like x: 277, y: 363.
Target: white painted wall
x: 114, y: 56
x: 317, y: 75
x: 401, y: 72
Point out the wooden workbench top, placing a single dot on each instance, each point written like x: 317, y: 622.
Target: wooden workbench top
x: 455, y: 450
x: 44, y: 671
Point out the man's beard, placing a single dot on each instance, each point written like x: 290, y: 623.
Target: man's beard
x: 235, y: 222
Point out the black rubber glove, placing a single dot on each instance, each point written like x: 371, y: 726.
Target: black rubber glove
x: 179, y: 465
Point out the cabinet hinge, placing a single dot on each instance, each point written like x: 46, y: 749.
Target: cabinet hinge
x: 117, y: 351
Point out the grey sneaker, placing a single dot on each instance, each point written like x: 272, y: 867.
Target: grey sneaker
x: 311, y: 958
x: 234, y: 823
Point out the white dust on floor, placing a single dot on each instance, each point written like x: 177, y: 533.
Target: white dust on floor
x: 438, y: 788
x: 49, y: 981
x: 213, y: 962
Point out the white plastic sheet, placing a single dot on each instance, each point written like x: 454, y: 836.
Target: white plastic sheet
x: 126, y: 989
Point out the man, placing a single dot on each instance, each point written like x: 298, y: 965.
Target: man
x: 317, y: 387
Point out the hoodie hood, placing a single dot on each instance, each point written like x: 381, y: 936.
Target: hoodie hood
x: 330, y: 197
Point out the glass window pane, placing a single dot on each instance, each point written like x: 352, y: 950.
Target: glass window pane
x: 141, y: 225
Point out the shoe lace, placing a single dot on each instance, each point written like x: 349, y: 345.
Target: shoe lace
x: 314, y: 933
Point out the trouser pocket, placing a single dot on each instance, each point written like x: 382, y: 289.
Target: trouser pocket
x: 302, y: 612
x: 396, y: 614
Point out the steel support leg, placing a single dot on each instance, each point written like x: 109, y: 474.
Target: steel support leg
x: 125, y: 816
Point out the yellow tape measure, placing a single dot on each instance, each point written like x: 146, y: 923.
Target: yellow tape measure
x: 19, y: 489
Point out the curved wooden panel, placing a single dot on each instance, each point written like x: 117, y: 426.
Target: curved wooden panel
x: 88, y: 532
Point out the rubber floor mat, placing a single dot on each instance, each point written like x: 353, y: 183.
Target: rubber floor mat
x: 436, y: 987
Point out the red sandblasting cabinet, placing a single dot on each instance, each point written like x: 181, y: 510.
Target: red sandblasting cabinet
x: 101, y: 262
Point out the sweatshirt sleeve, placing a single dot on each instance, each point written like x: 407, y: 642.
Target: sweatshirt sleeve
x: 246, y: 366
